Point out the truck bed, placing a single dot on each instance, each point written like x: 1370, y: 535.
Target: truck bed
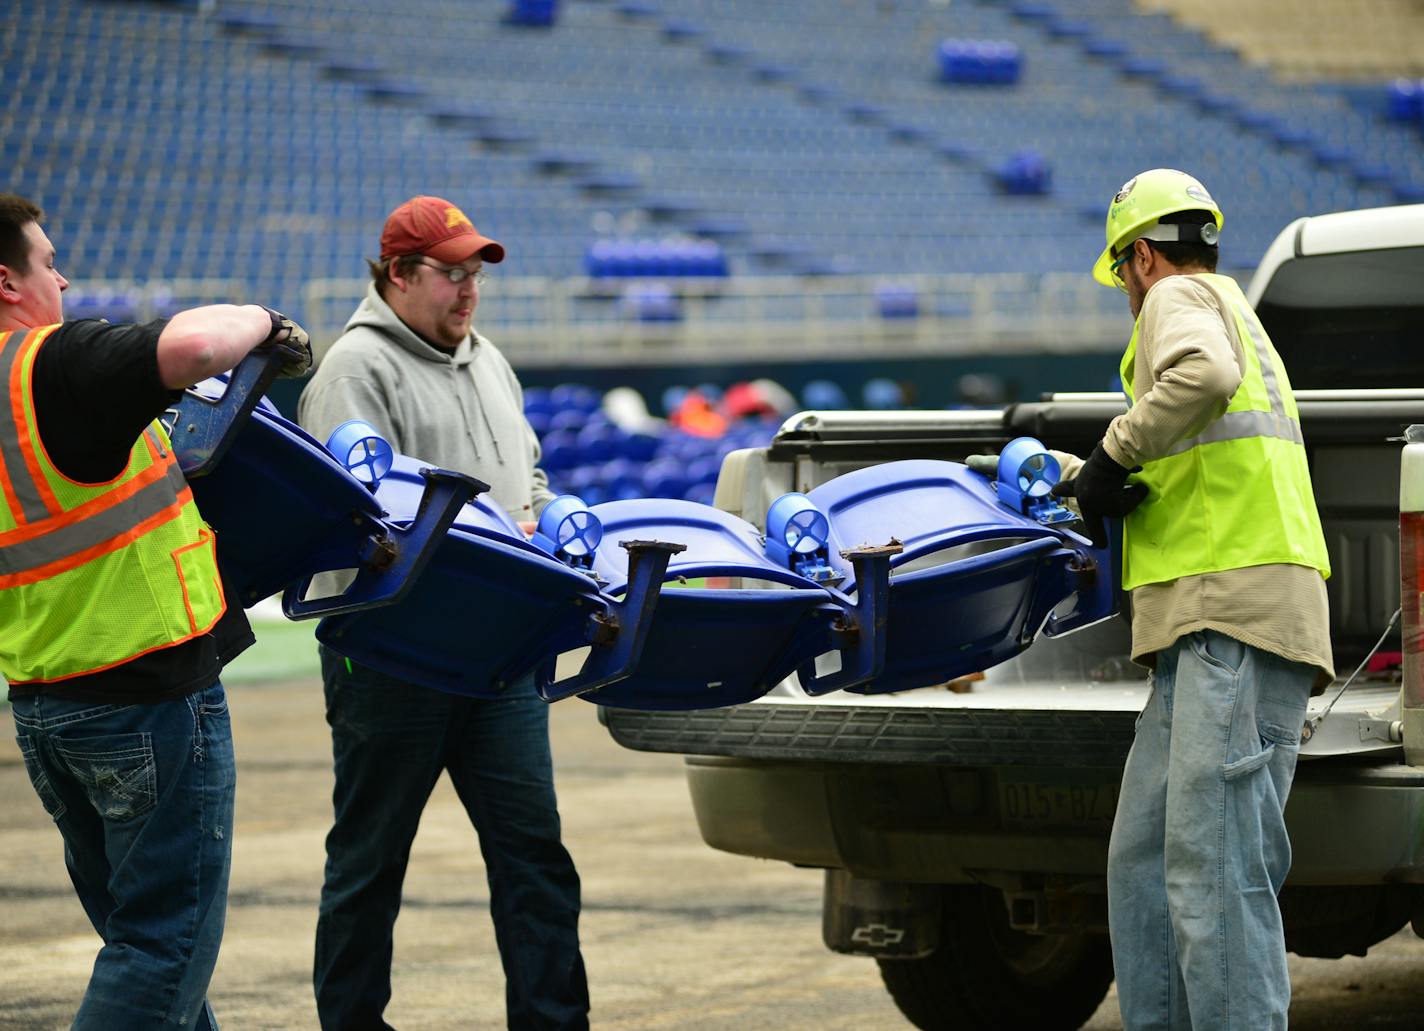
x: 1071, y: 701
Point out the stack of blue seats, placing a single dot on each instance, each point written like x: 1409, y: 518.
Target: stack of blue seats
x: 655, y: 259
x: 1025, y: 174
x: 586, y: 454
x: 1406, y: 102
x: 980, y: 62
x: 534, y: 13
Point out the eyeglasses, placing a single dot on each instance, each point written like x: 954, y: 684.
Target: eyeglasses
x: 458, y: 273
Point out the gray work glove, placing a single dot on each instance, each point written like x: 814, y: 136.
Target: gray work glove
x: 289, y: 341
x: 985, y: 465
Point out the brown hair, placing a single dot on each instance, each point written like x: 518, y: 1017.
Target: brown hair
x: 15, y: 213
x: 404, y: 265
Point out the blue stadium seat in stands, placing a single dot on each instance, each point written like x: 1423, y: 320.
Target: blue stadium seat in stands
x: 533, y: 13
x: 807, y: 167
x: 824, y: 395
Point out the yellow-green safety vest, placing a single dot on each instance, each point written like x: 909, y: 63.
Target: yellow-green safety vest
x: 1238, y: 493
x: 93, y: 575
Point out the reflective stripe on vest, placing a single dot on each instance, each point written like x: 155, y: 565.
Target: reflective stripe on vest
x: 21, y: 492
x: 92, y: 575
x: 1238, y: 493
x: 1240, y: 424
x: 157, y: 490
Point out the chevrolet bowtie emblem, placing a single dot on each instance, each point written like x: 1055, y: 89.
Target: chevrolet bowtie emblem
x: 877, y: 935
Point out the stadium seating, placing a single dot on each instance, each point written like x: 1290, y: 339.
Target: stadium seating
x: 263, y: 141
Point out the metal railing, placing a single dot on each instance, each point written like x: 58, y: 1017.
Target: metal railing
x: 593, y: 322
x: 544, y: 322
x: 128, y: 299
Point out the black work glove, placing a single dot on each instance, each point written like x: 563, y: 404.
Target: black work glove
x: 1103, y: 492
x: 291, y: 342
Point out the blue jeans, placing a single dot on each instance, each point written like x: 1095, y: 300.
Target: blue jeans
x: 143, y: 797
x: 1199, y: 848
x: 391, y: 741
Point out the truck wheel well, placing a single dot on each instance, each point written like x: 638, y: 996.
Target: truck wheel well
x: 1345, y: 920
x: 985, y: 976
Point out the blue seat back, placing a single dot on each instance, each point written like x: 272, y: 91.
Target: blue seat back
x: 283, y: 508
x: 484, y: 613
x: 976, y: 580
x: 489, y: 608
x: 717, y: 543
x: 927, y: 506
x: 711, y: 647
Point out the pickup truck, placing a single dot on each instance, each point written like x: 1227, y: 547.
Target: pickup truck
x: 963, y: 828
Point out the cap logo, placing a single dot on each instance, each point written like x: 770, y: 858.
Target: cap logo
x: 1199, y: 193
x: 1126, y: 189
x: 455, y: 217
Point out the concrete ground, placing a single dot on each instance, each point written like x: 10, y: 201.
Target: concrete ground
x: 675, y: 935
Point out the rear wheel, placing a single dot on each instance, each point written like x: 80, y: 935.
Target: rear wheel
x: 985, y: 976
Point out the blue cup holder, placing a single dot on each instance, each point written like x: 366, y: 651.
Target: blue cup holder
x: 797, y: 532
x: 568, y: 531
x: 361, y: 451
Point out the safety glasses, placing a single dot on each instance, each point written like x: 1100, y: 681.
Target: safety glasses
x: 1118, y: 264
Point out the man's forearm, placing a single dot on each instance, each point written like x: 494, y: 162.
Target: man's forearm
x: 1180, y: 404
x: 203, y: 342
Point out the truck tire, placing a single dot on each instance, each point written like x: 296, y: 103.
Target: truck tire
x: 986, y: 976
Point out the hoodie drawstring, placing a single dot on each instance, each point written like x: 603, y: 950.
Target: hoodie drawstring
x: 467, y: 369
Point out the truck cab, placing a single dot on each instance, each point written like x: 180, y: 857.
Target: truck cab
x: 963, y: 827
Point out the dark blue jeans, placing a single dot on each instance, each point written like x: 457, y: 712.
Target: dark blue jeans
x: 391, y: 741
x: 143, y: 796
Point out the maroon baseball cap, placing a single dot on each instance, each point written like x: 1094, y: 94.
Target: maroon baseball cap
x: 436, y: 228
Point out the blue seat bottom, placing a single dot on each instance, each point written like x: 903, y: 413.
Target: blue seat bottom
x: 481, y: 614
x: 966, y: 616
x: 710, y: 648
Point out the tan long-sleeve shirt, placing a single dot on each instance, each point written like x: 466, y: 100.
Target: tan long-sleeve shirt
x: 1189, y: 363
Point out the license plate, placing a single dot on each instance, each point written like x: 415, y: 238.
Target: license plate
x: 1035, y: 800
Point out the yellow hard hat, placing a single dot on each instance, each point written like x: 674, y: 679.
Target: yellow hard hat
x: 1137, y: 207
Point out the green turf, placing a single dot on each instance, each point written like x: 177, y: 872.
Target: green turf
x: 284, y: 651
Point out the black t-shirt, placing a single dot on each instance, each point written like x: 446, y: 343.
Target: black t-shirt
x: 96, y: 387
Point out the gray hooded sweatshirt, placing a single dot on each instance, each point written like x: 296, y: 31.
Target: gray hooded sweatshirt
x: 462, y: 411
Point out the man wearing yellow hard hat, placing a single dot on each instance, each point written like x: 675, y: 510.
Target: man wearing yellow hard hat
x: 1226, y: 562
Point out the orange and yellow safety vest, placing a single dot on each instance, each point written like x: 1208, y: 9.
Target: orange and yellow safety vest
x: 92, y: 575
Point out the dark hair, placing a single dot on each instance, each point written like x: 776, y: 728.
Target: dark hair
x: 1188, y: 255
x: 15, y: 213
x: 404, y: 264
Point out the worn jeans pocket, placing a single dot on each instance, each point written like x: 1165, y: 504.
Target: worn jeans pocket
x: 117, y: 771
x: 39, y: 776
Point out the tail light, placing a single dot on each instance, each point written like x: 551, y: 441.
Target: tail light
x: 1411, y: 585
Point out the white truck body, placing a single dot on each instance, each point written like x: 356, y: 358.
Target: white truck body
x: 926, y: 807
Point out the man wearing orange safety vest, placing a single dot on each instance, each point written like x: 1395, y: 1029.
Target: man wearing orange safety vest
x: 114, y: 626
x: 1225, y: 558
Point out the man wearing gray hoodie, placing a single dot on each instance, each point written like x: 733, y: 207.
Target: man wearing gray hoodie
x: 411, y: 365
